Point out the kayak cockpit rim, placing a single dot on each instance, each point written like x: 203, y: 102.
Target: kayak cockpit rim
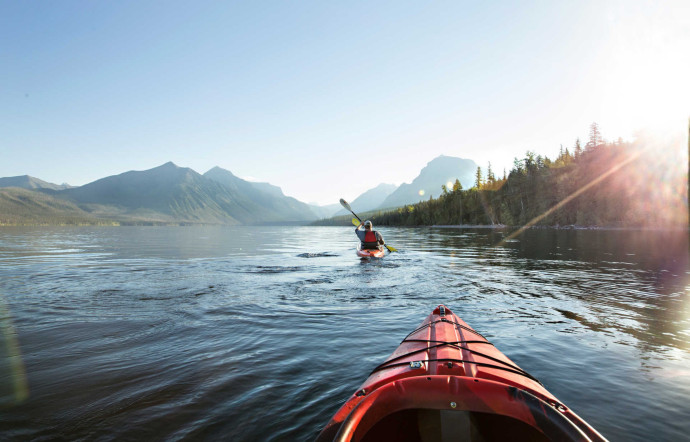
x: 375, y: 414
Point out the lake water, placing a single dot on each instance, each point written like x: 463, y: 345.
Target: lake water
x: 261, y: 333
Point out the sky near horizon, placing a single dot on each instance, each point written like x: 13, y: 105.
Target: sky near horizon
x: 328, y: 99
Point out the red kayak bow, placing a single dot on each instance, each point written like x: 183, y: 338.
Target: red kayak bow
x: 447, y: 382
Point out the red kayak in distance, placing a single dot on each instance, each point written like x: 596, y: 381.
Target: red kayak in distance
x: 447, y: 382
x: 369, y: 253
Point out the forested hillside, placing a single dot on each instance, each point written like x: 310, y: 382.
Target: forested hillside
x: 26, y: 207
x: 615, y: 184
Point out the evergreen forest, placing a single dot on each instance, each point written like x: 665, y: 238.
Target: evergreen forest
x: 612, y: 184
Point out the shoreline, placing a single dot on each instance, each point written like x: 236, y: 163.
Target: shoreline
x: 433, y: 226
x: 568, y: 227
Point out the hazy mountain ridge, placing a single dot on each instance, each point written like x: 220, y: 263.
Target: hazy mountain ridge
x: 371, y: 199
x: 264, y: 187
x: 326, y: 211
x: 29, y: 182
x: 275, y: 205
x: 166, y: 193
x: 427, y: 184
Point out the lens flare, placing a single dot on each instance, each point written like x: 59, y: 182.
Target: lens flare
x: 421, y: 192
x: 14, y: 357
x: 666, y: 201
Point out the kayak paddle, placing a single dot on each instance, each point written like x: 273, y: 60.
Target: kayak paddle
x: 358, y: 221
x: 347, y: 206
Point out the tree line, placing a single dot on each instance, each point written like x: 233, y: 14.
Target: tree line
x: 616, y: 184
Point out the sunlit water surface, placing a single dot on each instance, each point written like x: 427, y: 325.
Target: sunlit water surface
x: 261, y: 333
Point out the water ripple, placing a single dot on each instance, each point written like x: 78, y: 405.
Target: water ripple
x: 242, y: 334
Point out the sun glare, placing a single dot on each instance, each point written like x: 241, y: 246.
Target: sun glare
x: 646, y: 84
x: 641, y: 96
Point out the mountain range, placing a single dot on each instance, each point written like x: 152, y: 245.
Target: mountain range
x: 442, y: 170
x: 370, y: 200
x: 169, y: 194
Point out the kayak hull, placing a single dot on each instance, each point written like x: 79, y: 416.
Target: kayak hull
x: 446, y: 382
x: 364, y: 253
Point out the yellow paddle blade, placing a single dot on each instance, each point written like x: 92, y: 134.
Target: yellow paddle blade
x: 355, y: 221
x: 391, y: 249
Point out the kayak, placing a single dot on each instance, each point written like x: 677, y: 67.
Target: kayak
x: 447, y: 382
x: 366, y: 253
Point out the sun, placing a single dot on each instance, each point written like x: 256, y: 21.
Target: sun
x: 650, y: 95
x: 646, y: 76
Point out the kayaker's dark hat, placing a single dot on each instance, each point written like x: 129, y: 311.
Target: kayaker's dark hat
x: 368, y: 225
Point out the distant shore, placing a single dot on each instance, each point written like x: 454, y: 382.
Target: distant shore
x: 540, y: 227
x: 107, y: 223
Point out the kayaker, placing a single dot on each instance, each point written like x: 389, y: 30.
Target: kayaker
x: 371, y: 239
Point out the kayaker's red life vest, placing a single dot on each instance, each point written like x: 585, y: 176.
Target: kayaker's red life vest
x: 370, y: 241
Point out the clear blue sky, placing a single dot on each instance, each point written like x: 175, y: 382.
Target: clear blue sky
x: 316, y: 96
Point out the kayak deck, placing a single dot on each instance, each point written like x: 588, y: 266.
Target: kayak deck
x: 447, y: 382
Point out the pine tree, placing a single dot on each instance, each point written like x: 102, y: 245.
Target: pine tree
x: 478, y: 178
x: 594, y: 136
x: 578, y: 148
x: 490, y: 178
x: 517, y: 165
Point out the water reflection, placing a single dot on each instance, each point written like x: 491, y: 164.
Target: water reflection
x: 632, y: 284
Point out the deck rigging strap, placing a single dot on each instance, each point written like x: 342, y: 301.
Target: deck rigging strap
x: 457, y: 325
x: 505, y: 365
x: 462, y: 361
x: 512, y: 367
